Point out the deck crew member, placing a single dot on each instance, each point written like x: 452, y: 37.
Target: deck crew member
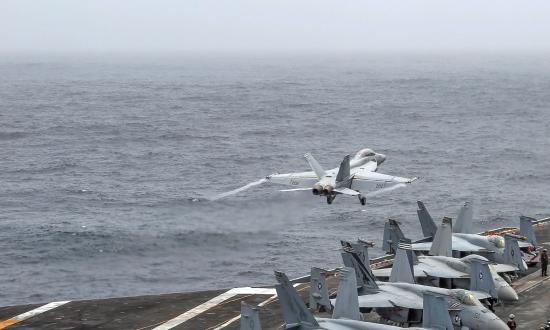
x: 544, y: 263
x: 511, y: 322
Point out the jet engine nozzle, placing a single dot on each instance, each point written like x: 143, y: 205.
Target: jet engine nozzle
x: 317, y: 189
x: 328, y: 190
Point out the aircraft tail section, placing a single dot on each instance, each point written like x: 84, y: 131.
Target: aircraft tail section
x: 392, y: 235
x: 435, y: 314
x: 344, y: 171
x: 442, y: 244
x: 512, y: 254
x: 315, y: 165
x: 526, y: 229
x: 318, y: 290
x: 403, y: 264
x: 295, y: 313
x: 426, y: 221
x: 465, y: 219
x: 347, y: 301
x: 481, y: 278
x: 250, y: 319
x: 363, y: 272
x: 359, y: 248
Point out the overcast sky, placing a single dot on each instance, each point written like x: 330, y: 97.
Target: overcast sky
x: 273, y: 25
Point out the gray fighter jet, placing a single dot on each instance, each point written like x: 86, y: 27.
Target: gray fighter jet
x: 441, y: 270
x: 464, y: 224
x: 493, y: 247
x: 401, y: 299
x: 346, y: 315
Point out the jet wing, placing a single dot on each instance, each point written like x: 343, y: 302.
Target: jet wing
x: 365, y: 169
x: 298, y: 180
x: 391, y: 297
x: 386, y: 272
x: 505, y: 268
x: 458, y: 245
x: 438, y: 269
x: 374, y: 176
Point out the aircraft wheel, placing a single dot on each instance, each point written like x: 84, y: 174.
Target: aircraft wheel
x: 329, y: 199
x: 363, y: 200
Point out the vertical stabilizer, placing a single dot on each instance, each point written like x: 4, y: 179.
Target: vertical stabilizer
x: 426, y: 222
x: 481, y: 278
x: 403, y: 264
x: 512, y: 254
x: 318, y: 290
x: 315, y: 165
x: 442, y: 244
x: 526, y: 229
x: 363, y: 272
x: 344, y: 171
x: 295, y: 312
x: 435, y: 314
x: 392, y: 235
x: 250, y: 318
x: 347, y: 301
x: 359, y: 248
x: 464, y: 220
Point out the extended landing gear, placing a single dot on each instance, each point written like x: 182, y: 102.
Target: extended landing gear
x: 362, y: 199
x: 330, y: 198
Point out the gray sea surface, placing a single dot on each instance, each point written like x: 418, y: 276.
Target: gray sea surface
x: 107, y: 163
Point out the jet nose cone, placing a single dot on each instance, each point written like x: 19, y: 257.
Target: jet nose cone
x: 507, y: 293
x: 497, y: 324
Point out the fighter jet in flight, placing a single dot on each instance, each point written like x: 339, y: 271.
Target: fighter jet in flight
x: 355, y: 176
x: 400, y: 300
x: 346, y: 315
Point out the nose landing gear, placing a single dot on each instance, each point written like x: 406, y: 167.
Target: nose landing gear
x: 362, y: 199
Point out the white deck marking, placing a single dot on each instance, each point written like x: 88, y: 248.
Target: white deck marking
x: 238, y: 317
x: 210, y: 304
x: 31, y: 313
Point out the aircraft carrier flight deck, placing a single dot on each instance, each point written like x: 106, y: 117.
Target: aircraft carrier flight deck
x: 220, y: 309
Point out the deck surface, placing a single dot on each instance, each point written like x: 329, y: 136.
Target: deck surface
x: 219, y: 309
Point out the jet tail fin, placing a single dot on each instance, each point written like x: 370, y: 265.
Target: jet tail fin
x: 295, y: 312
x: 392, y: 235
x: 347, y: 301
x: 343, y: 171
x: 512, y: 253
x: 464, y: 219
x: 318, y: 290
x: 442, y: 244
x: 250, y: 319
x: 526, y: 229
x: 363, y: 272
x: 315, y: 165
x: 435, y: 314
x: 426, y: 221
x: 403, y: 264
x: 359, y: 248
x: 481, y: 278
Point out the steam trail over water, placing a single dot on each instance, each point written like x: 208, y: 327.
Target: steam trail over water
x: 238, y: 190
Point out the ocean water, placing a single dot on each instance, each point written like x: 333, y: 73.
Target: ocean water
x: 107, y: 163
